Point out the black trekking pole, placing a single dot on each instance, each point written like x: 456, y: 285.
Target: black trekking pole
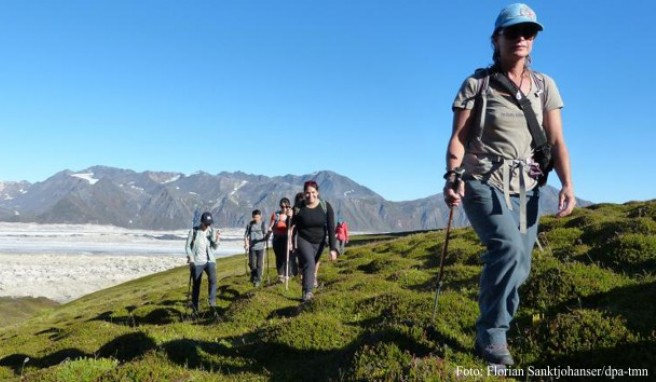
x: 456, y: 183
x: 246, y: 261
x: 191, y: 276
x: 194, y: 223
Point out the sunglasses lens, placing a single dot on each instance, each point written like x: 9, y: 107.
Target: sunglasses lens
x: 513, y: 33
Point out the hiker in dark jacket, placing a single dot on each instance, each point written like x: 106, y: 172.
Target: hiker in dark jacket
x: 499, y: 187
x: 199, y: 247
x: 255, y: 239
x: 313, y: 220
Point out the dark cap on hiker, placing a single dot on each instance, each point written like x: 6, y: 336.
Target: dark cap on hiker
x: 517, y: 13
x: 206, y: 218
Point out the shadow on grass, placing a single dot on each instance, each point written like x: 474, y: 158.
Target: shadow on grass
x: 249, y: 354
x: 287, y: 312
x: 127, y: 347
x: 17, y: 361
x: 158, y: 316
x: 124, y: 348
x: 433, y: 334
x: 54, y: 333
x: 634, y: 303
x: 225, y: 292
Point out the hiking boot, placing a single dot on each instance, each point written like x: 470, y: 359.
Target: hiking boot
x: 281, y: 279
x: 307, y: 296
x: 215, y: 313
x: 256, y: 284
x: 494, y: 353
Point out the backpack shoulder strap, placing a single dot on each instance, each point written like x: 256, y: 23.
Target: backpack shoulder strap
x: 323, y: 205
x: 482, y: 75
x: 538, y: 79
x: 193, y: 238
x: 539, y: 137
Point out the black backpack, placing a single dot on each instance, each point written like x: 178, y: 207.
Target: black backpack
x: 193, y: 237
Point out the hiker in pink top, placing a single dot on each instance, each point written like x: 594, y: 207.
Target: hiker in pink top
x: 342, y: 235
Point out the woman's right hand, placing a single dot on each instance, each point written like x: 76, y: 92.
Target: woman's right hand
x: 454, y: 191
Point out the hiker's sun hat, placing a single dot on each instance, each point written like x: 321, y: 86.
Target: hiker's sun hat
x: 517, y: 13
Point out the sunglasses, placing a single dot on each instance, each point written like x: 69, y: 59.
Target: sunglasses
x: 283, y: 207
x: 513, y: 33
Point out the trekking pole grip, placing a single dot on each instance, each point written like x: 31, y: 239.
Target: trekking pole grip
x: 455, y: 177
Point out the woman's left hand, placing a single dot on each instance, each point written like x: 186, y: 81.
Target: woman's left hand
x: 566, y: 202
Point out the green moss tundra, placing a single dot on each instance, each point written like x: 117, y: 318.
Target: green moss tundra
x: 589, y: 306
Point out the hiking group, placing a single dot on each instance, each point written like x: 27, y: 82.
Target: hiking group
x: 506, y: 137
x: 300, y: 235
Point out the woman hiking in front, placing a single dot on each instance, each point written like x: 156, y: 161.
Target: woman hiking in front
x: 492, y: 143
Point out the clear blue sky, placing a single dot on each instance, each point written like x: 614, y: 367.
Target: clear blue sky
x: 360, y: 87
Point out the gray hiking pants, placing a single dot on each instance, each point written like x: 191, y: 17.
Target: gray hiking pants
x: 308, y: 255
x: 256, y: 264
x: 507, y: 262
x: 197, y: 274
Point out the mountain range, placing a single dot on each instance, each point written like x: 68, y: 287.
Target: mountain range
x: 167, y: 200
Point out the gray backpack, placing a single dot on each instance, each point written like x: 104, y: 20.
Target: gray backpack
x: 255, y: 235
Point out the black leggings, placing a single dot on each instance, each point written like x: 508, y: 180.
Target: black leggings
x: 280, y: 248
x: 308, y: 255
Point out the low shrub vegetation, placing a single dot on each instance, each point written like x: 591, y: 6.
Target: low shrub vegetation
x: 588, y: 303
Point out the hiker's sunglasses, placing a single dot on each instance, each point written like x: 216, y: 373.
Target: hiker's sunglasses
x: 514, y: 32
x: 282, y: 206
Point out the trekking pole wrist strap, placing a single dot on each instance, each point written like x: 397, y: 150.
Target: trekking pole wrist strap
x: 454, y: 174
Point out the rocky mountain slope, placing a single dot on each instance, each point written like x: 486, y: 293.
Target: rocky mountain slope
x: 167, y: 200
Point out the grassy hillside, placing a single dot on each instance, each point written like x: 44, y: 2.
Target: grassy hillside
x: 18, y: 309
x: 590, y: 303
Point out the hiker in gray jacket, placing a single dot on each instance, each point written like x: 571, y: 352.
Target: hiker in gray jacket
x: 200, y: 246
x: 255, y: 239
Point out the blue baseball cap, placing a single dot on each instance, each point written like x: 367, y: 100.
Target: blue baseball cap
x: 517, y: 13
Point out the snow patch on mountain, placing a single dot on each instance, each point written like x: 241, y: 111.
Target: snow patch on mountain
x: 88, y: 176
x: 240, y: 185
x: 171, y: 180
